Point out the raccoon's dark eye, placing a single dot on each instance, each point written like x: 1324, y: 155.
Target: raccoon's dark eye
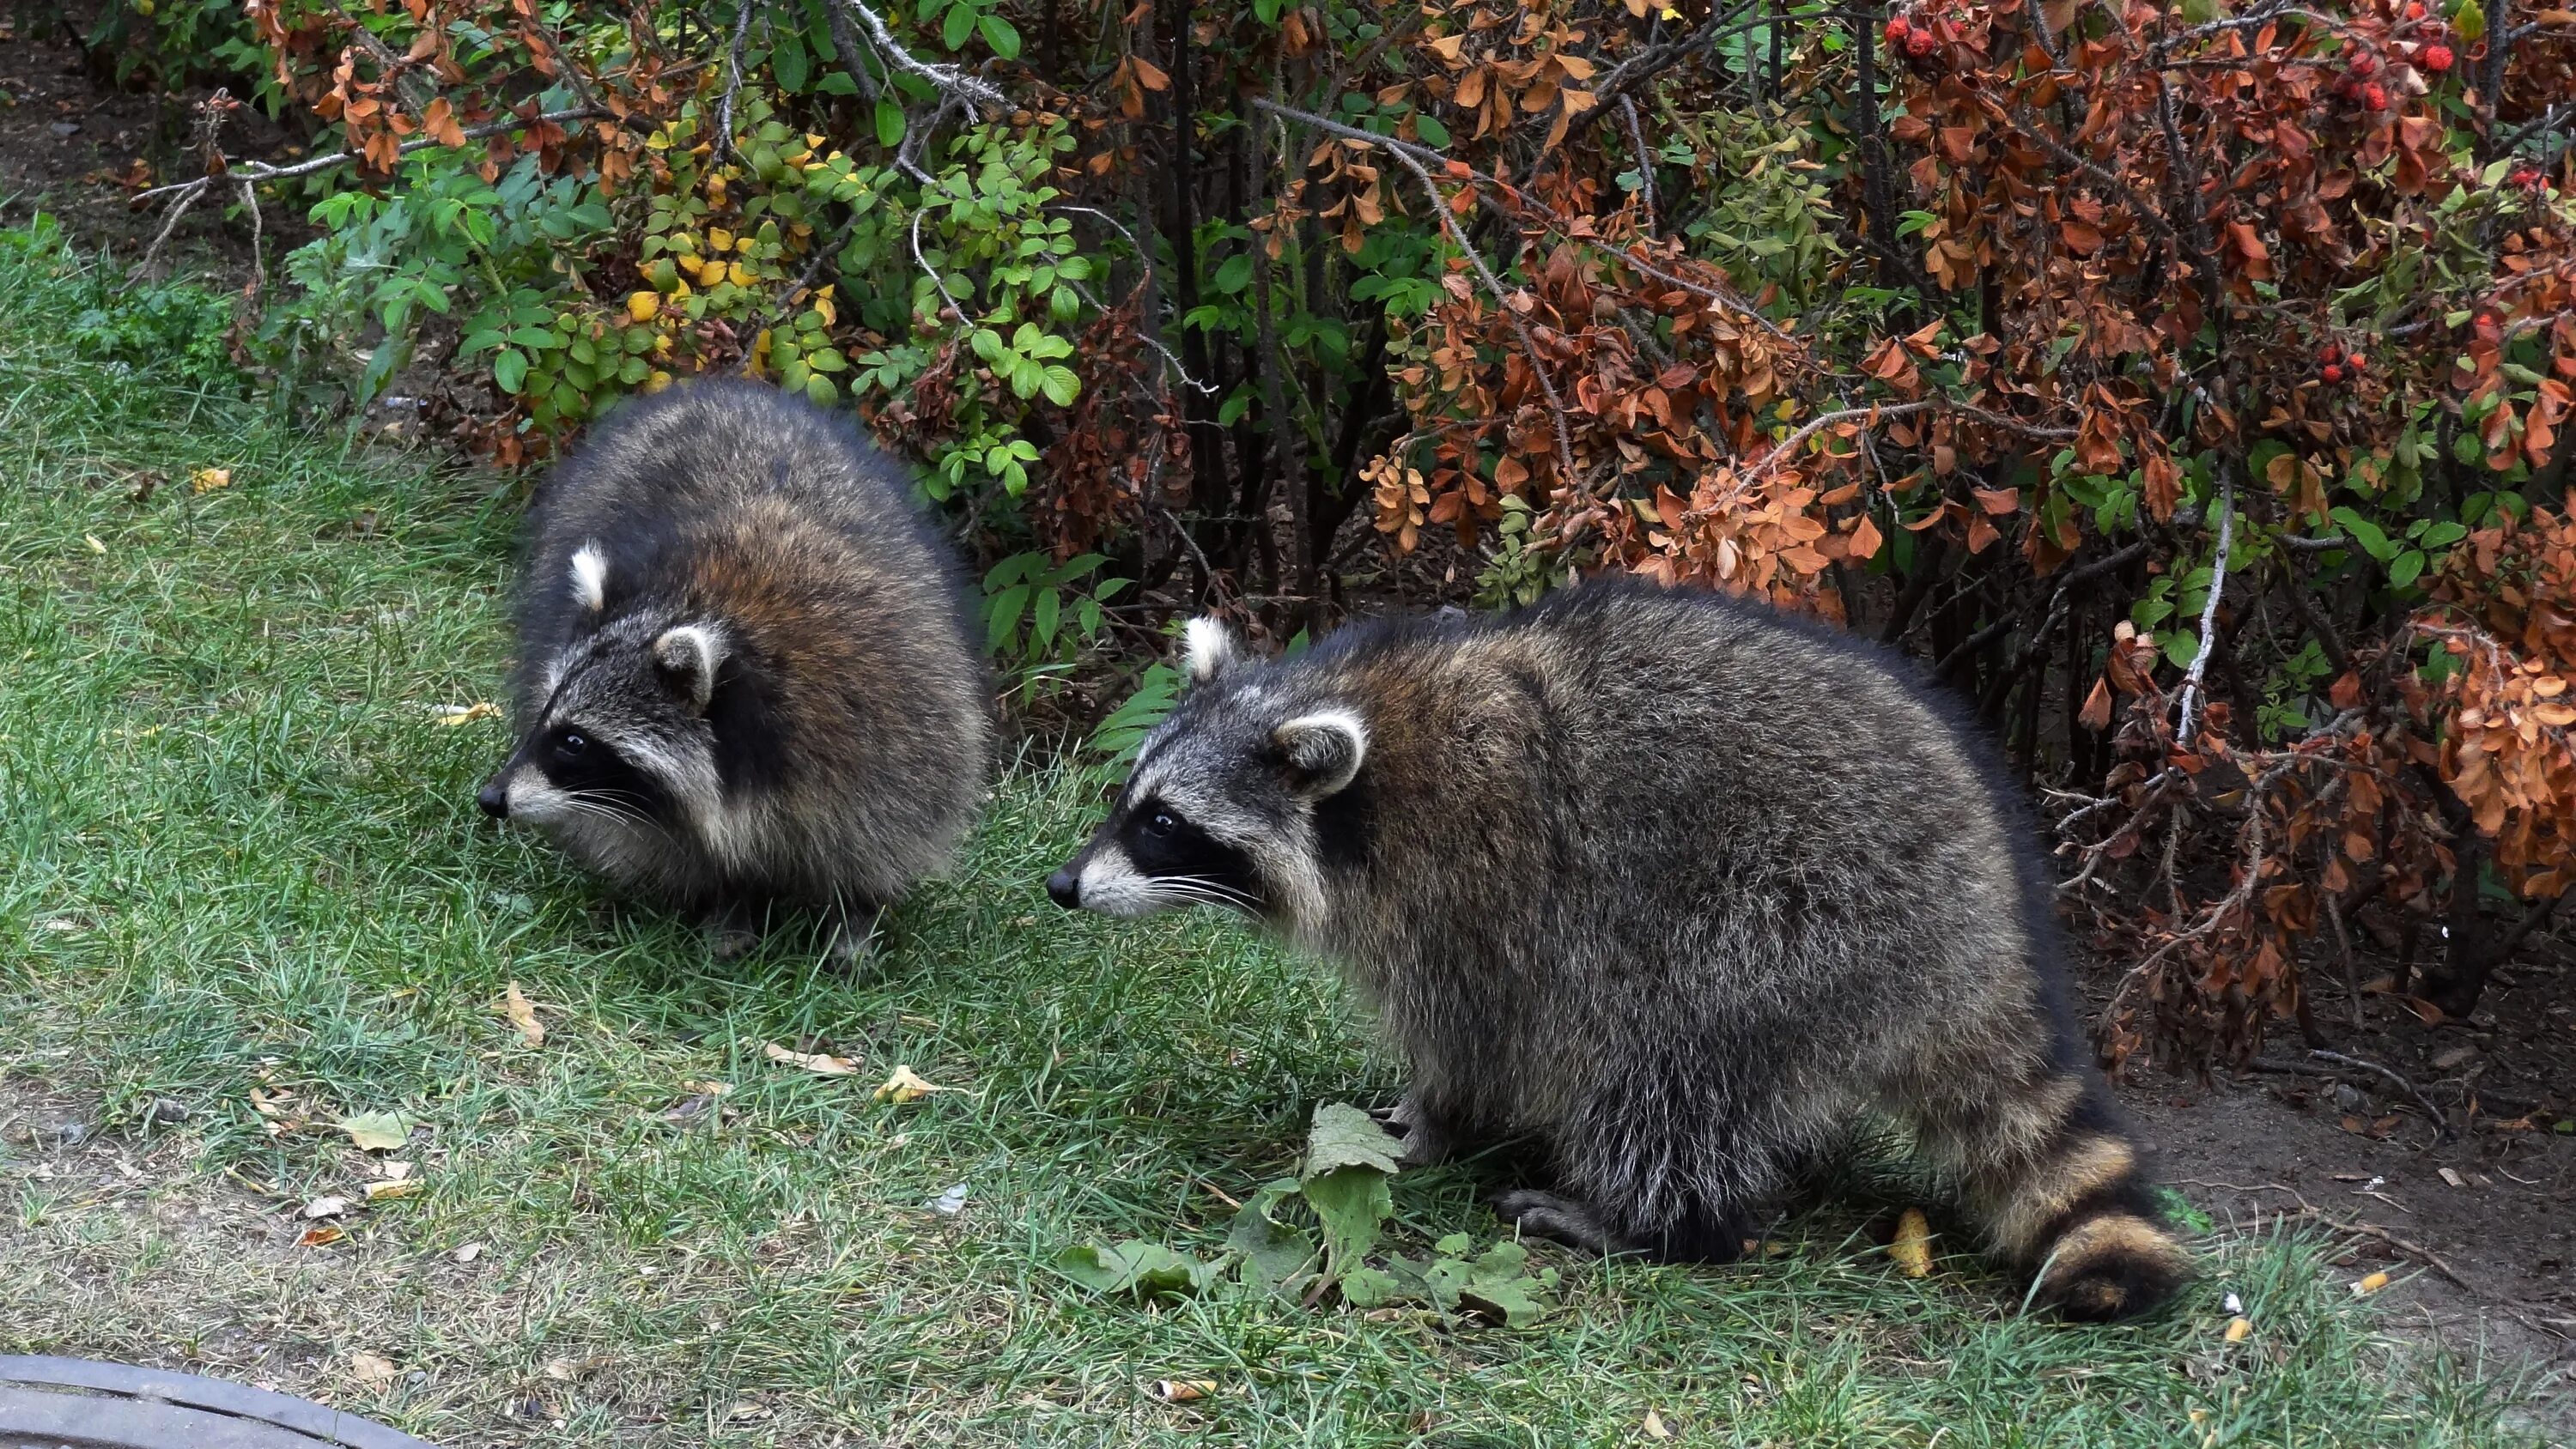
x: 571, y: 745
x: 1161, y: 824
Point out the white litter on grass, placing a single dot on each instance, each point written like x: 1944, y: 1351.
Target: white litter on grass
x: 951, y: 1202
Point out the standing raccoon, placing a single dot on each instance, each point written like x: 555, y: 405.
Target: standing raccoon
x: 744, y: 676
x: 1679, y: 888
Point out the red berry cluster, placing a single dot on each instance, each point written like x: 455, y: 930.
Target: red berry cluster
x: 2358, y: 89
x: 2334, y: 365
x: 2529, y: 178
x: 1914, y: 38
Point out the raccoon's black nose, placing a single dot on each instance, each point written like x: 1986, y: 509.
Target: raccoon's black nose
x: 1065, y: 888
x: 494, y: 798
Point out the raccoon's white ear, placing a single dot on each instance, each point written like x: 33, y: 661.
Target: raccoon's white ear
x: 1324, y: 750
x: 1207, y: 648
x: 590, y: 577
x: 688, y: 656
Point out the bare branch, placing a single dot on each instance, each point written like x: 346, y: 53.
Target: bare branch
x: 261, y: 171
x: 733, y: 79
x: 951, y: 80
x: 2191, y: 683
x: 1645, y: 160
x: 1874, y: 412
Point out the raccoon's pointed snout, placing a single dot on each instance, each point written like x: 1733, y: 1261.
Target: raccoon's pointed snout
x: 494, y: 797
x: 1065, y: 888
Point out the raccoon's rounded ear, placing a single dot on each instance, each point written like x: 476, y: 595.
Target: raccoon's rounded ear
x: 1323, y: 751
x: 1207, y: 649
x: 688, y: 655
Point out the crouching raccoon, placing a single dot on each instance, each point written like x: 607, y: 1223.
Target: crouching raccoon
x: 1676, y: 887
x: 744, y: 673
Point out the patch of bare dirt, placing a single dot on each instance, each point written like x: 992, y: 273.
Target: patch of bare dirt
x: 2479, y: 1206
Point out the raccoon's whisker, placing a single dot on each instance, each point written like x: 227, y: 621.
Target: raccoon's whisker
x: 1197, y: 890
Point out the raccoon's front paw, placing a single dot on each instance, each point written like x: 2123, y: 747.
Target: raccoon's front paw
x: 1546, y: 1215
x: 851, y: 943
x: 729, y: 935
x: 1426, y: 1142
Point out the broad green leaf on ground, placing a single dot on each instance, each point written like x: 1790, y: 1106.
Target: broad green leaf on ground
x: 1135, y: 1267
x: 1274, y: 1253
x: 1350, y: 1202
x: 378, y: 1131
x: 1344, y: 1136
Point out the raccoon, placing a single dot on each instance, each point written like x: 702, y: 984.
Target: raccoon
x: 1677, y: 889
x: 744, y: 676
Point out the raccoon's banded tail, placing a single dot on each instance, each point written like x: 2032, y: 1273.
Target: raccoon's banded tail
x: 2077, y: 1213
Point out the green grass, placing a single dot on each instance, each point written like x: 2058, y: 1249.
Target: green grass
x: 241, y: 852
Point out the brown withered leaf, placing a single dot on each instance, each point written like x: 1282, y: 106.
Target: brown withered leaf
x: 819, y: 1063
x: 523, y: 1016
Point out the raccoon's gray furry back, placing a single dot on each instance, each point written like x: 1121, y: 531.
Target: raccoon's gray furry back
x: 758, y: 647
x: 1681, y: 888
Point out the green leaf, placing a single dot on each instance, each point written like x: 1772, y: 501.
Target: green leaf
x: 790, y: 63
x: 2366, y: 533
x: 1004, y: 619
x: 1043, y: 616
x: 889, y: 122
x: 1060, y: 385
x: 958, y: 27
x: 378, y: 1131
x: 1234, y: 274
x: 1350, y: 1202
x: 1274, y: 1254
x: 1428, y: 127
x: 1367, y: 1288
x: 1001, y: 35
x: 2181, y: 646
x: 1134, y: 1267
x: 2470, y: 20
x: 1344, y: 1136
x: 2409, y: 565
x: 510, y: 369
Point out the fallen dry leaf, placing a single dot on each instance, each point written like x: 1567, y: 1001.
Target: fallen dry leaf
x: 392, y: 1171
x: 1654, y: 1426
x: 371, y: 1369
x: 905, y: 1086
x: 1182, y: 1391
x: 398, y: 1187
x: 1912, y: 1249
x: 479, y: 709
x: 2239, y: 1329
x: 207, y: 480
x: 2453, y: 1058
x: 321, y: 1237
x: 326, y: 1207
x: 2453, y: 1178
x: 2369, y: 1285
x: 377, y: 1131
x: 523, y: 1016
x: 94, y: 545
x: 816, y: 1062
x: 469, y: 1252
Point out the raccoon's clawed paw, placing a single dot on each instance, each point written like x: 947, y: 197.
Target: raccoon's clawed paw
x: 1426, y: 1142
x: 1546, y: 1215
x: 852, y: 943
x: 729, y: 936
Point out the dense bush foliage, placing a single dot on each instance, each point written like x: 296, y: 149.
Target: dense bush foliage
x: 2184, y: 382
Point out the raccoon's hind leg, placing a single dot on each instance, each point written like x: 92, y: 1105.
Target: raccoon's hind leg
x: 1697, y: 1236
x: 1426, y: 1132
x: 2053, y: 1180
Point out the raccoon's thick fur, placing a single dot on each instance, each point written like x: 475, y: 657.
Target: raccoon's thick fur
x: 744, y: 674
x: 1682, y: 889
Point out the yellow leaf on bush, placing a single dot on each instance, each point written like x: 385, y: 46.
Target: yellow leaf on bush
x: 642, y: 306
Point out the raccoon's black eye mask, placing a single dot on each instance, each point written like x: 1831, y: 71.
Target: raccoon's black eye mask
x: 579, y: 763
x: 1165, y: 845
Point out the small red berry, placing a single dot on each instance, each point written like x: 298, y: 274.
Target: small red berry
x: 2437, y: 58
x: 2352, y: 364
x: 2363, y: 65
x: 1897, y: 29
x: 2330, y: 353
x: 2415, y: 11
x: 2332, y: 373
x: 2374, y: 97
x: 1920, y: 44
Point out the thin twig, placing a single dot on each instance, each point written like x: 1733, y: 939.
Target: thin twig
x: 733, y: 79
x: 1876, y: 411
x: 2191, y: 683
x: 1645, y: 160
x: 932, y: 272
x: 261, y: 171
x: 2337, y: 1059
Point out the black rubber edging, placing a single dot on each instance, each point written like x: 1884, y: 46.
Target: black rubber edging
x: 82, y: 1403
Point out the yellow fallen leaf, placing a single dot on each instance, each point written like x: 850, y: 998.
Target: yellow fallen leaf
x: 2369, y: 1285
x: 321, y: 1237
x: 523, y: 1016
x: 816, y: 1062
x: 94, y: 545
x: 371, y: 1369
x: 1654, y: 1426
x: 1182, y: 1391
x: 207, y: 480
x: 479, y: 709
x: 641, y: 306
x: 398, y: 1187
x: 2239, y: 1329
x: 1912, y: 1249
x: 904, y: 1086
